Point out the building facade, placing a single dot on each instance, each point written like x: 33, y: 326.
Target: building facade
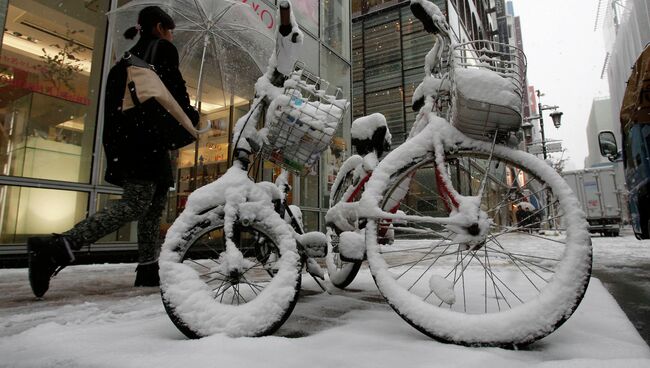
x: 626, y: 28
x: 53, y: 61
x: 389, y: 46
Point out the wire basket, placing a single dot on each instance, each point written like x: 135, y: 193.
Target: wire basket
x: 481, y: 108
x: 304, y: 121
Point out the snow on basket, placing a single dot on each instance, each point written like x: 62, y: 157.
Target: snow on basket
x: 488, y: 81
x: 303, y: 122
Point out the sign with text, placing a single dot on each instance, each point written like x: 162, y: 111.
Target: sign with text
x: 551, y: 147
x: 264, y: 12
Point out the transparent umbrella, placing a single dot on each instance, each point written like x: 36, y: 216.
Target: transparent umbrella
x: 223, y: 46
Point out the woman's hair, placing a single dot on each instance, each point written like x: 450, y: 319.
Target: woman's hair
x: 148, y: 19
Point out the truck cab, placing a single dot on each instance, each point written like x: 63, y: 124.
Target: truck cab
x: 636, y: 160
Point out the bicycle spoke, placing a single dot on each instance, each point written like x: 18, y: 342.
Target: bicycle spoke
x: 496, y: 287
x: 197, y: 263
x: 419, y: 261
x: 487, y: 168
x: 522, y: 271
x: 485, y: 258
x: 222, y: 293
x: 410, y: 249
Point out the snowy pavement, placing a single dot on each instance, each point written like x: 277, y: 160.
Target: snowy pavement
x: 93, y: 317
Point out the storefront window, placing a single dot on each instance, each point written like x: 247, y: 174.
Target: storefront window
x: 360, y: 7
x: 337, y: 72
x: 223, y: 99
x: 310, y: 220
x: 50, y: 73
x: 26, y: 212
x: 335, y: 26
x: 206, y: 160
x: 309, y: 189
x: 306, y: 12
x: 309, y: 54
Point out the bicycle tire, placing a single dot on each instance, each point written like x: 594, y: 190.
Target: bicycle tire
x: 431, y: 307
x: 197, y: 308
x: 341, y: 273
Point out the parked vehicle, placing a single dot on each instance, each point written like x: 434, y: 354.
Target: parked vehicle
x: 635, y: 128
x: 636, y: 159
x: 600, y: 194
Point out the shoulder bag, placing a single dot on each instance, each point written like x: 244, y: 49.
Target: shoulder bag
x: 151, y: 106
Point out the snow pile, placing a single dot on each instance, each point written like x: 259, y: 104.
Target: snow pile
x: 93, y: 317
x: 365, y: 126
x: 486, y: 86
x: 352, y: 245
x: 431, y: 86
x: 314, y: 243
x: 442, y: 288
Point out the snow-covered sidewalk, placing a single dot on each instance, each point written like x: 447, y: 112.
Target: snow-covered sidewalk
x: 93, y: 317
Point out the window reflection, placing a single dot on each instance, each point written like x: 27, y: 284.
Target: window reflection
x: 337, y: 72
x: 306, y: 12
x: 50, y: 70
x: 336, y: 26
x: 26, y: 212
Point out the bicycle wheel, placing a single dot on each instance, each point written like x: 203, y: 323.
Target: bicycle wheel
x: 519, y: 283
x: 255, y: 300
x: 341, y: 273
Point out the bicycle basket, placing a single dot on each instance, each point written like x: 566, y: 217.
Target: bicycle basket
x: 303, y: 123
x: 488, y: 81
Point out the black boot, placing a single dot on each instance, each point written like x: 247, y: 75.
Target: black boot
x: 47, y: 256
x: 147, y: 275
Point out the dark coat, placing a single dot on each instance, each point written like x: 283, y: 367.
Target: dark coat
x: 130, y: 152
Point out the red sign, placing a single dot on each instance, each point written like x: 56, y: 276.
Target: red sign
x: 263, y: 11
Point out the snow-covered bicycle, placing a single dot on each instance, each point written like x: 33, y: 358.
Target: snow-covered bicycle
x: 460, y: 269
x: 371, y: 138
x: 232, y: 261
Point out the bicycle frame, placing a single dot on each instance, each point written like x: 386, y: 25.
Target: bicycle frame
x: 433, y: 105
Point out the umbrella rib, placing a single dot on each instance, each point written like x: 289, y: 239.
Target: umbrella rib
x: 201, y: 11
x: 223, y: 13
x: 241, y: 47
x: 189, y: 20
x: 241, y: 27
x: 193, y: 42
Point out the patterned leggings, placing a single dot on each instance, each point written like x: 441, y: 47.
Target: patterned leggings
x: 142, y: 201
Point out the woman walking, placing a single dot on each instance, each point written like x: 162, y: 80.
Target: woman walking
x: 134, y: 161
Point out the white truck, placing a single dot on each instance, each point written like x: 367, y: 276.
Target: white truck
x: 600, y: 191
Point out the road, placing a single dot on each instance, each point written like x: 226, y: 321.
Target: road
x: 623, y: 266
x: 630, y: 286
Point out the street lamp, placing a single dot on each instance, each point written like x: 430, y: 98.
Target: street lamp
x: 555, y: 115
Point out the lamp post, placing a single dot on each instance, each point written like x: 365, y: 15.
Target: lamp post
x: 555, y: 115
